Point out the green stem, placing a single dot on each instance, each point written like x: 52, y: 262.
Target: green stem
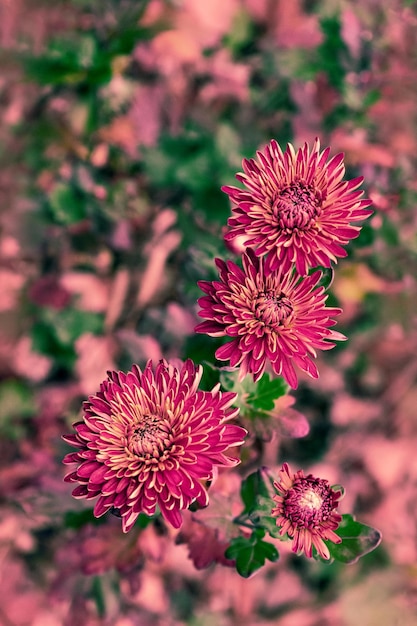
x: 244, y: 521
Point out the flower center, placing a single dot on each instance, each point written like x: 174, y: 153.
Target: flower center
x: 272, y: 309
x: 309, y: 502
x: 149, y: 437
x: 297, y: 206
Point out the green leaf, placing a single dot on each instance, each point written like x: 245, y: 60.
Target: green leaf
x: 256, y: 494
x: 254, y: 398
x: 389, y: 232
x: 266, y: 392
x: 98, y: 595
x: 250, y: 553
x: 78, y: 519
x: 17, y: 403
x: 366, y: 237
x: 68, y: 206
x: 357, y: 540
x: 55, y: 333
x: 253, y: 486
x: 333, y: 52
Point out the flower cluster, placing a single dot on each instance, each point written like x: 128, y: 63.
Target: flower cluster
x: 295, y: 215
x: 150, y: 440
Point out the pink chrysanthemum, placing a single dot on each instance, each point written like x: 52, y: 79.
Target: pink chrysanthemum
x: 271, y: 316
x: 296, y: 206
x: 306, y: 511
x: 150, y: 439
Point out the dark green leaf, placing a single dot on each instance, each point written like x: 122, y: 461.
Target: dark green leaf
x: 250, y: 553
x: 68, y: 206
x: 333, y: 52
x: 77, y: 519
x: 371, y: 97
x: 366, y: 238
x: 389, y: 232
x: 252, y: 487
x: 357, y: 540
x: 98, y: 595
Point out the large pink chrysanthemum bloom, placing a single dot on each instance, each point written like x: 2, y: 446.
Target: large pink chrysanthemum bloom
x: 297, y: 206
x: 151, y: 438
x: 272, y: 316
x: 306, y: 511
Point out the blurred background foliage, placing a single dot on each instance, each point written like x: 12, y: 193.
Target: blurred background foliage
x: 121, y: 119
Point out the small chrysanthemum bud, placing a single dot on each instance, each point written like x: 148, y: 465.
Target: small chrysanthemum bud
x: 306, y: 511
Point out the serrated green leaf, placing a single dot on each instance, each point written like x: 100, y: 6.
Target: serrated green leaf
x: 357, y: 540
x: 266, y: 392
x: 250, y: 553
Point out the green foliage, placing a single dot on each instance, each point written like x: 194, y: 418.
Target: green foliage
x: 98, y: 595
x: 87, y: 59
x: 389, y: 232
x: 78, y: 519
x: 67, y: 204
x: 55, y: 332
x: 333, y: 53
x: 253, y: 486
x: 254, y: 398
x: 241, y: 35
x: 197, y: 347
x: 256, y: 492
x: 188, y: 170
x: 250, y: 553
x: 266, y: 393
x: 17, y: 403
x: 70, y: 62
x: 357, y: 540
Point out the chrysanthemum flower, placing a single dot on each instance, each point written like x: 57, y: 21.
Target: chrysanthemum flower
x: 151, y: 438
x: 271, y: 316
x: 297, y: 206
x: 306, y: 511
